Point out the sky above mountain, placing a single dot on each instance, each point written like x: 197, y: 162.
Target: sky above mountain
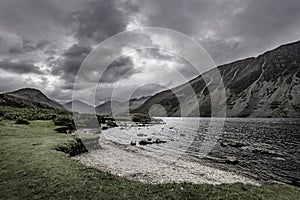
x: 43, y: 42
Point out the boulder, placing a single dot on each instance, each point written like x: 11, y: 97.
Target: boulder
x: 231, y: 160
x: 296, y: 183
x: 111, y: 124
x: 264, y: 151
x: 141, y: 135
x: 145, y: 142
x: 235, y: 144
x: 158, y: 141
x: 224, y: 144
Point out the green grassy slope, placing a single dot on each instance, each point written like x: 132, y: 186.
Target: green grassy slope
x: 31, y: 168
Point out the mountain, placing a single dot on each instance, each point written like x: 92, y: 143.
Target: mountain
x: 15, y: 102
x: 79, y: 106
x: 120, y: 108
x: 36, y: 96
x: 264, y: 86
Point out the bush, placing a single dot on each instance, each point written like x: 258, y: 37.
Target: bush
x: 67, y: 123
x: 140, y: 118
x: 22, y: 121
x: 12, y: 116
x: 101, y: 120
x: 111, y: 123
x: 64, y: 121
x: 2, y: 113
x: 73, y: 148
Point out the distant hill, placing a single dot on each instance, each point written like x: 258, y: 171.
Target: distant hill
x: 265, y: 86
x: 120, y: 108
x: 31, y: 96
x: 15, y: 102
x: 79, y: 106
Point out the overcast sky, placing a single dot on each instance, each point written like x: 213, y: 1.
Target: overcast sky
x: 43, y: 42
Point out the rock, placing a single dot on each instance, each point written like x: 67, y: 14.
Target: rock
x: 141, y: 135
x: 111, y: 123
x: 133, y: 143
x: 151, y: 141
x: 171, y: 127
x: 264, y: 151
x: 158, y: 141
x: 235, y: 144
x: 279, y: 158
x: 231, y: 160
x: 145, y: 142
x: 296, y: 183
x: 224, y: 144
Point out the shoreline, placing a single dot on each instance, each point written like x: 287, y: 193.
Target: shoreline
x: 138, y: 164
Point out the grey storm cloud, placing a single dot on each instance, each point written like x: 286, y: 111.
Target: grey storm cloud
x: 91, y: 24
x: 120, y: 68
x: 100, y: 20
x: 60, y: 34
x: 228, y: 29
x: 19, y: 67
x: 27, y: 46
x: 72, y: 59
x: 69, y: 62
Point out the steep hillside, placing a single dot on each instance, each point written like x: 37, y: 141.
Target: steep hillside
x: 265, y: 86
x: 15, y: 102
x: 120, y: 108
x: 35, y: 95
x: 79, y: 106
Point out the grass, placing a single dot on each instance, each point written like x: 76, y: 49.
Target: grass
x: 31, y: 168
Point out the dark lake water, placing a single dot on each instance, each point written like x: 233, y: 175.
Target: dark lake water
x: 265, y: 149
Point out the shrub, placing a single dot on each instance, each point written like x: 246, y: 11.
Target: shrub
x: 2, y: 113
x: 111, y: 123
x: 67, y: 123
x: 64, y: 121
x: 140, y: 118
x: 73, y: 148
x: 22, y: 121
x: 101, y: 120
x: 12, y: 116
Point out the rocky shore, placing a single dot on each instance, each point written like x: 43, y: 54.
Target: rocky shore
x: 138, y: 164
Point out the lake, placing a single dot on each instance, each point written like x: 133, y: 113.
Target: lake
x: 264, y: 149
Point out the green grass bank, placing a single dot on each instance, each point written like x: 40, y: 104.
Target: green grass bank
x: 31, y: 168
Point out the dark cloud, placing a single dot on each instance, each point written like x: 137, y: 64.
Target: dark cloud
x: 7, y: 85
x: 100, y: 20
x: 68, y: 65
x: 228, y: 29
x: 19, y: 67
x: 60, y: 34
x: 120, y: 68
x: 77, y: 51
x: 69, y: 62
x: 28, y: 46
x: 266, y: 19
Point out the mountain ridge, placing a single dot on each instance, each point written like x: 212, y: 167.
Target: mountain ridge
x: 35, y: 95
x: 255, y: 87
x: 80, y: 107
x: 120, y: 107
